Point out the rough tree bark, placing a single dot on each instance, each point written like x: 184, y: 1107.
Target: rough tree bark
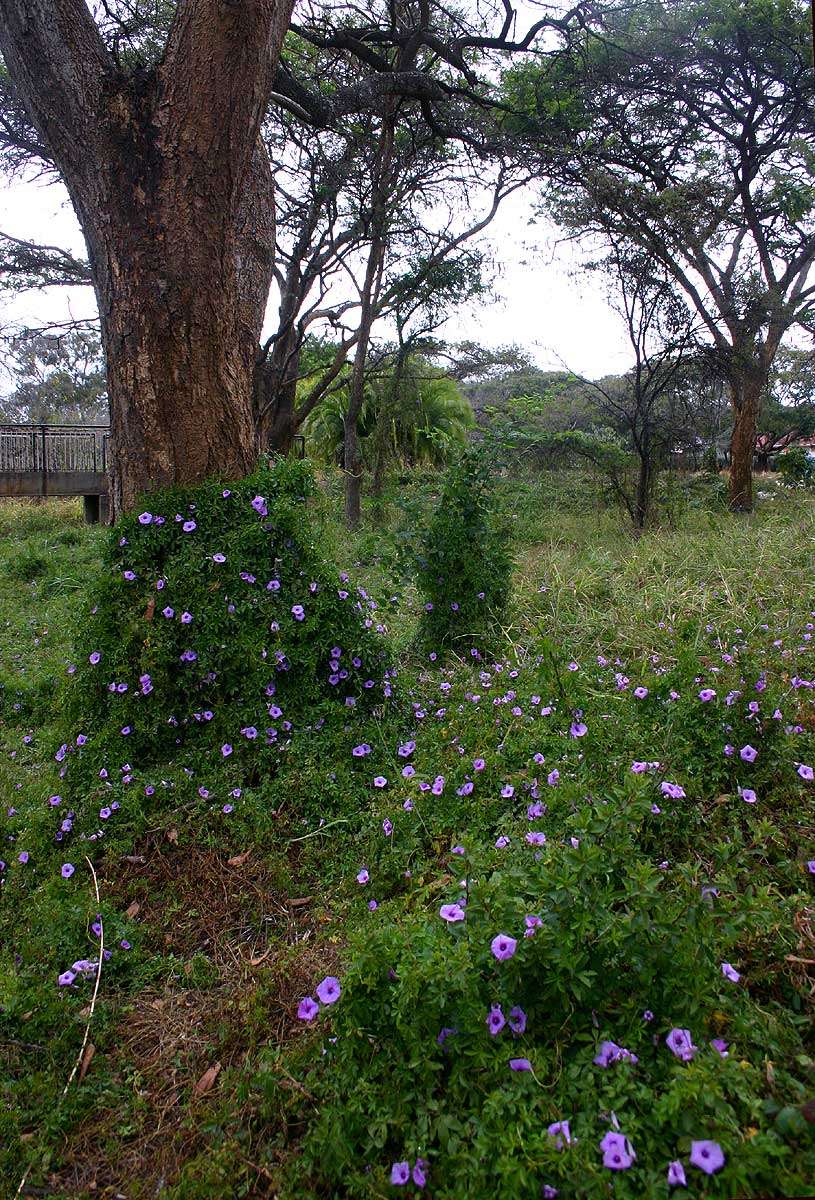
x: 746, y: 387
x: 172, y: 188
x: 276, y: 394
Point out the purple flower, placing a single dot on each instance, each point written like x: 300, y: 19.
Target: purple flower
x: 559, y: 1130
x: 549, y: 1192
x: 720, y: 1046
x: 66, y: 978
x: 495, y: 1020
x: 553, y: 777
x: 640, y: 693
x: 400, y: 1173
x: 380, y: 781
x: 748, y: 795
x: 94, y: 658
x: 387, y: 827
x: 676, y: 1175
x: 520, y: 1064
x: 707, y: 1156
x: 674, y: 790
x: 298, y: 612
x: 145, y: 518
x: 23, y: 857
x: 259, y: 505
x: 226, y: 750
x: 188, y: 526
x: 681, y: 1044
x: 706, y: 694
x: 452, y: 913
x: 517, y: 1019
x: 536, y: 838
x: 507, y: 790
x: 361, y: 750
x: 806, y: 772
x: 67, y: 870
x: 618, y: 1153
x: 363, y: 876
x: 219, y: 558
x: 748, y: 754
x: 532, y: 923
x: 503, y: 946
x: 578, y: 729
x: 610, y: 1053
x: 730, y: 973
x: 811, y: 866
x: 328, y: 992
x: 307, y: 1009
x: 647, y: 1015
x: 501, y: 842
x: 419, y: 1172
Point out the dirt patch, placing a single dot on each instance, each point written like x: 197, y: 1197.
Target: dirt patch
x: 182, y: 1051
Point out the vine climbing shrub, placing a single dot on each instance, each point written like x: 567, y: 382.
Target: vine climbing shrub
x: 218, y: 632
x: 464, y: 567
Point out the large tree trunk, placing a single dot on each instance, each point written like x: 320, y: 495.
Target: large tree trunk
x: 172, y: 188
x: 745, y: 392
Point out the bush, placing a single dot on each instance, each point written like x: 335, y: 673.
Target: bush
x: 606, y: 950
x: 464, y: 568
x: 796, y: 466
x: 217, y: 631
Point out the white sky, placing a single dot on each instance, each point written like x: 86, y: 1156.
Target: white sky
x: 545, y: 304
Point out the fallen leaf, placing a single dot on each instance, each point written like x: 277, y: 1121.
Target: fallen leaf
x: 255, y: 962
x: 300, y: 901
x: 172, y: 835
x: 150, y: 610
x: 132, y: 910
x: 238, y: 860
x: 206, y: 1081
x: 87, y: 1058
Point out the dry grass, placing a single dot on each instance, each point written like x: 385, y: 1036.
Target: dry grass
x: 264, y: 948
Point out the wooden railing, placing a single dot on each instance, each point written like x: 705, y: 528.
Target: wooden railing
x: 53, y: 449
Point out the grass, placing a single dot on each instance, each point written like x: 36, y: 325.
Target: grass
x: 202, y: 1081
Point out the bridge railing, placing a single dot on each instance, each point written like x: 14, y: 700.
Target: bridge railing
x: 53, y: 448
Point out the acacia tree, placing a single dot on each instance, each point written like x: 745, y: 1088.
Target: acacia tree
x: 697, y: 141
x: 159, y: 148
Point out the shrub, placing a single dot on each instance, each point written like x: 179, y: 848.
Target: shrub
x: 464, y: 568
x: 218, y: 630
x: 607, y: 950
x: 796, y: 466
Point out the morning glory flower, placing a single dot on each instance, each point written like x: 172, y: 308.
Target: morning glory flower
x: 806, y: 772
x: 328, y: 992
x: 676, y: 1175
x: 363, y: 876
x: 720, y: 1046
x: 503, y: 946
x: 707, y: 1156
x: 730, y: 973
x: 681, y: 1044
x: 520, y: 1064
x: 400, y: 1173
x: 748, y: 795
x: 495, y: 1020
x: 706, y: 694
x: 618, y: 1153
x: 452, y: 913
x: 307, y: 1009
x: 640, y: 692
x: 578, y: 729
x: 517, y: 1019
x: 559, y: 1131
x: 67, y: 870
x: 748, y: 753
